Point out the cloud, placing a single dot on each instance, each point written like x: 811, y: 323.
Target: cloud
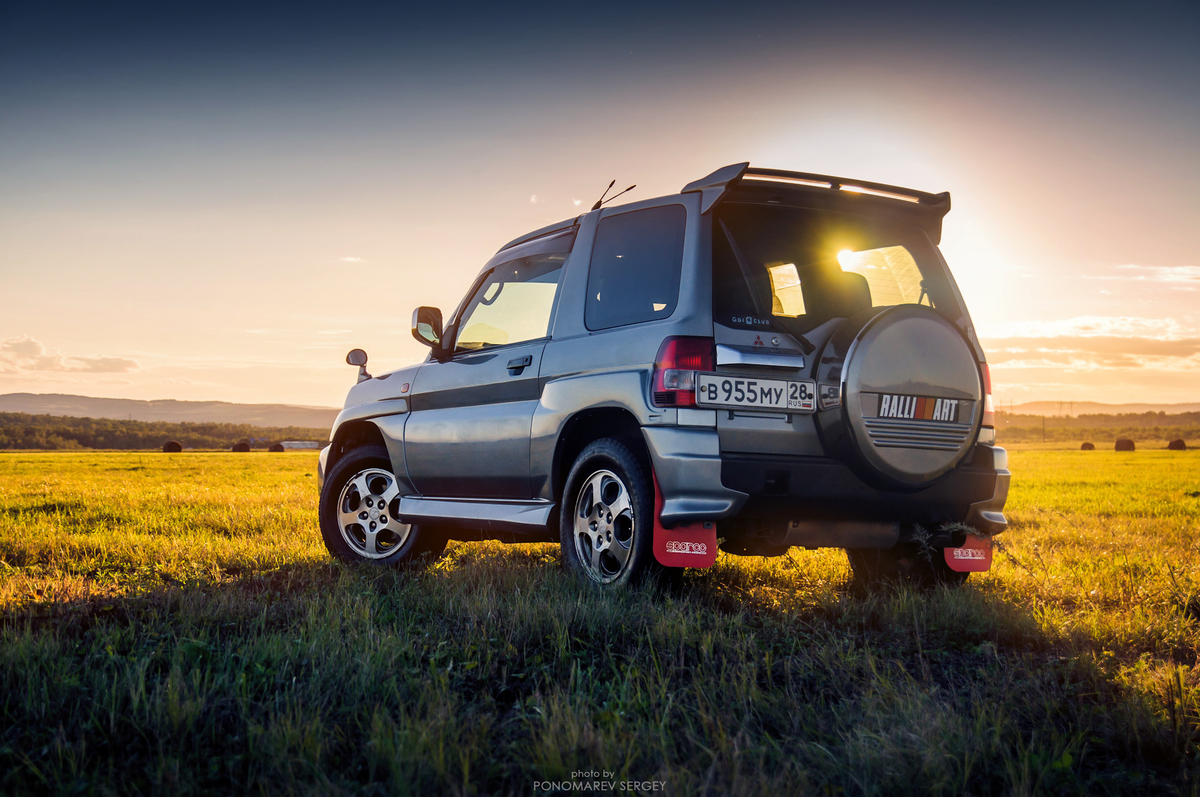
x: 533, y: 199
x: 1163, y: 273
x: 1093, y: 353
x: 24, y: 355
x: 1184, y: 275
x: 1095, y: 343
x: 1092, y: 326
x: 351, y: 259
x: 577, y: 202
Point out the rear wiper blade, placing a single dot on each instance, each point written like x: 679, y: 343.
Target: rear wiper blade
x: 755, y: 294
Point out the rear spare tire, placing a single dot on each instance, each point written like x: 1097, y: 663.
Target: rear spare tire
x: 912, y: 396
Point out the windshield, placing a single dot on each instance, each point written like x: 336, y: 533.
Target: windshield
x: 792, y: 268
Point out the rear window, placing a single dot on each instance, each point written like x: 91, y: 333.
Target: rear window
x: 793, y: 269
x: 636, y: 262
x: 891, y: 272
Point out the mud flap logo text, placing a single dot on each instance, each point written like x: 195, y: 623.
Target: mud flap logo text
x: 679, y: 546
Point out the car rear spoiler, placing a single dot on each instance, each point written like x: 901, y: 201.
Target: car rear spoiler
x: 714, y: 187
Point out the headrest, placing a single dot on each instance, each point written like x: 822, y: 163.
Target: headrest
x: 837, y: 294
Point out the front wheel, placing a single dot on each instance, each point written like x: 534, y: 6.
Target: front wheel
x: 907, y: 563
x: 358, y: 513
x: 607, y: 522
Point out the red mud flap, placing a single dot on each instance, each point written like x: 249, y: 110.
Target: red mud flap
x: 686, y: 545
x: 975, y: 556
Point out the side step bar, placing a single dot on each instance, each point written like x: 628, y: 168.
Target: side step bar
x: 518, y: 517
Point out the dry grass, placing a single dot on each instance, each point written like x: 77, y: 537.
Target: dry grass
x: 173, y: 623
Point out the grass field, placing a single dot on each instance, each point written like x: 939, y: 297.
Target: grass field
x: 172, y: 623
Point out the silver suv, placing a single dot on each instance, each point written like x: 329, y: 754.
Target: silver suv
x: 767, y: 359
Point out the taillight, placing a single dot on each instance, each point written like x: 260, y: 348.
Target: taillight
x: 675, y: 370
x: 989, y: 409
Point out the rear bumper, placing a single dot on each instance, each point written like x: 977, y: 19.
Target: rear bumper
x: 988, y: 515
x: 687, y: 463
x: 700, y: 483
x: 787, y: 488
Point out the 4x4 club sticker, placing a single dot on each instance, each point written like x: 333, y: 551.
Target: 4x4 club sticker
x: 918, y: 408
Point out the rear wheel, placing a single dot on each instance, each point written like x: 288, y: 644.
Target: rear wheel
x: 607, y: 522
x: 359, y: 511
x: 905, y: 563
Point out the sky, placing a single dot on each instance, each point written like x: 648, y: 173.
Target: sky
x: 217, y: 201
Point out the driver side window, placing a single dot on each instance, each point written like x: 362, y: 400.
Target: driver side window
x: 513, y: 304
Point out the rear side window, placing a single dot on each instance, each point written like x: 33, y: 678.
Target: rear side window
x: 636, y: 262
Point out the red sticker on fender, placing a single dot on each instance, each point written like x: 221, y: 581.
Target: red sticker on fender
x: 686, y: 545
x: 975, y: 556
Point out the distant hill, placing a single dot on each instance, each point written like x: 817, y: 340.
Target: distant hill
x: 1076, y: 408
x: 21, y: 431
x: 169, y: 410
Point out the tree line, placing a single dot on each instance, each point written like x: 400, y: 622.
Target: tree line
x: 1095, y: 434
x: 1142, y: 426
x: 1126, y: 420
x: 54, y: 432
x: 20, y: 430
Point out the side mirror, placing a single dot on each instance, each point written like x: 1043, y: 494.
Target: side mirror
x: 427, y: 326
x: 359, y: 357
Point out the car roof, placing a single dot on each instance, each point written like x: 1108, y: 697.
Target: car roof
x: 744, y: 183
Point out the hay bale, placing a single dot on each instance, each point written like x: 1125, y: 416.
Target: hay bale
x: 275, y: 449
x: 1124, y: 444
x: 1177, y: 445
x: 1088, y: 447
x: 241, y: 448
x: 172, y: 447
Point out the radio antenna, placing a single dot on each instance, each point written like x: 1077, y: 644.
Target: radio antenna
x: 601, y: 201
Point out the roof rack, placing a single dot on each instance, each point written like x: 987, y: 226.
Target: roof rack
x: 713, y: 187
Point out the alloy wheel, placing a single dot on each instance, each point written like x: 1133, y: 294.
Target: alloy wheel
x: 366, y: 514
x: 604, y: 526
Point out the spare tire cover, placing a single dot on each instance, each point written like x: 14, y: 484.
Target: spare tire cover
x: 911, y: 395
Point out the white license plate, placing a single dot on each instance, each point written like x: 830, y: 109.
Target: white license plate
x: 714, y: 390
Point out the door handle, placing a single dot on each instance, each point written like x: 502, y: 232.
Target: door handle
x: 518, y: 364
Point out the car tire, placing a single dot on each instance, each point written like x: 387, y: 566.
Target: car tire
x: 607, y: 519
x: 905, y: 563
x: 357, y: 513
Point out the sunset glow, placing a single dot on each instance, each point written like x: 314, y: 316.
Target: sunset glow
x: 195, y: 210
